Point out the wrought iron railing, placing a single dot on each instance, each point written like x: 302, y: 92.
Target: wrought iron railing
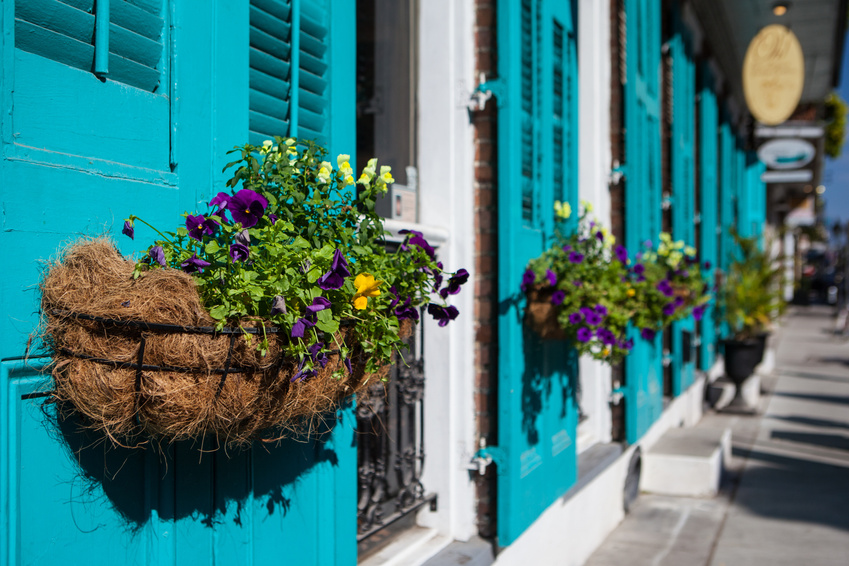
x: 390, y: 445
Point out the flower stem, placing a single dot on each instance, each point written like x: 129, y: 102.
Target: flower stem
x: 154, y: 229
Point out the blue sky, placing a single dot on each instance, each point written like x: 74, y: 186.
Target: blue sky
x: 836, y: 175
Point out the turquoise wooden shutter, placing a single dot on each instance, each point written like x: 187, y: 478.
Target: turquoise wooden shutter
x: 683, y: 184
x: 537, y: 416
x: 289, y: 69
x: 709, y: 162
x: 643, y: 388
x: 752, y: 197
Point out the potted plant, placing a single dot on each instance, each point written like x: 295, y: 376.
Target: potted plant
x: 585, y: 289
x: 750, y: 299
x: 255, y: 318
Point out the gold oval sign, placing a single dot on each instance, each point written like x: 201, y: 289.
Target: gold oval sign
x: 773, y: 74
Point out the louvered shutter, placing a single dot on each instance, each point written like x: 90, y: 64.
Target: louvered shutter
x: 64, y: 31
x: 289, y: 73
x: 643, y: 387
x: 536, y: 454
x: 683, y: 183
x: 708, y: 195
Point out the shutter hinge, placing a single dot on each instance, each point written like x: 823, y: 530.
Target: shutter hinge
x: 485, y: 90
x: 485, y: 456
x: 616, y: 174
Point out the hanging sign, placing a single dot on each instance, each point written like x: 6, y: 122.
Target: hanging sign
x: 787, y: 153
x: 773, y: 74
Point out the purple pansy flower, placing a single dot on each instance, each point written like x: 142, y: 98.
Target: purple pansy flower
x: 278, y: 305
x: 194, y: 264
x: 647, y: 333
x: 443, y: 314
x: 647, y: 243
x: 576, y: 257
x: 576, y: 318
x: 584, y: 334
x: 669, y: 309
x: 417, y: 239
x: 606, y: 336
x: 593, y: 318
x: 247, y: 207
x: 129, y: 230
x: 335, y: 278
x: 239, y: 252
x: 303, y: 373
x: 318, y: 304
x: 665, y: 288
x: 552, y: 277
x: 699, y: 312
x: 707, y: 265
x: 621, y: 253
x: 437, y: 276
x: 157, y: 254
x: 577, y: 283
x: 557, y: 297
x: 407, y: 311
x: 198, y: 226
x: 639, y: 269
x: 601, y: 309
x: 599, y: 236
x: 221, y: 200
x: 566, y: 248
x: 454, y: 283
x: 528, y: 279
x: 301, y: 326
x: 348, y: 365
x: 678, y: 301
x: 243, y: 238
x: 272, y: 218
x: 317, y: 355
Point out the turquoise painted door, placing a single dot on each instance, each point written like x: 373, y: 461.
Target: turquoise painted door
x: 708, y: 195
x: 643, y: 387
x: 537, y: 414
x: 683, y: 185
x: 175, y: 88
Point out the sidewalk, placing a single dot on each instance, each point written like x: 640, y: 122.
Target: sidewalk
x: 785, y: 500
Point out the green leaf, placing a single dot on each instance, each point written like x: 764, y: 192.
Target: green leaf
x: 218, y: 312
x: 212, y: 247
x: 331, y: 326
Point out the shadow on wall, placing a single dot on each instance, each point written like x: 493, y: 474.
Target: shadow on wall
x: 795, y: 488
x: 184, y: 479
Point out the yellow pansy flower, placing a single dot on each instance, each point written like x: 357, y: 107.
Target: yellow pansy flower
x: 562, y: 209
x: 630, y: 292
x: 366, y: 287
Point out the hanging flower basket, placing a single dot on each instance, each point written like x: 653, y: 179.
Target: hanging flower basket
x: 541, y: 315
x: 255, y: 320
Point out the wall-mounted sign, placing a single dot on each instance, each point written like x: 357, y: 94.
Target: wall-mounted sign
x: 773, y: 74
x: 786, y: 153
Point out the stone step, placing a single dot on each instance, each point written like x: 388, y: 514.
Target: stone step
x: 686, y: 462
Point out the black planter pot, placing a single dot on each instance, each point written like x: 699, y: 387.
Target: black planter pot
x: 741, y: 359
x: 761, y: 339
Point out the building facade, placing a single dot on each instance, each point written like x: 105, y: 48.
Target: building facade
x: 490, y: 441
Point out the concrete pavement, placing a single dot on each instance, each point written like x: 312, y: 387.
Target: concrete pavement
x: 785, y: 499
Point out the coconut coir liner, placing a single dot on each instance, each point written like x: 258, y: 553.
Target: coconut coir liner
x: 257, y: 401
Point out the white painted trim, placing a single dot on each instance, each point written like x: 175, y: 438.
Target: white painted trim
x: 594, y: 165
x: 446, y: 206
x: 571, y: 529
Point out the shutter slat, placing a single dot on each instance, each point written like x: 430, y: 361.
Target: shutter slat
x: 132, y: 73
x: 268, y: 105
x: 309, y: 134
x: 266, y: 84
x: 315, y: 10
x: 57, y: 17
x: 135, y: 19
x: 52, y: 45
x: 134, y: 47
x: 268, y: 64
x: 277, y: 8
x: 311, y: 82
x: 269, y: 24
x: 84, y: 5
x: 267, y: 125
x: 311, y: 45
x: 310, y: 120
x: 313, y: 28
x: 272, y: 45
x: 149, y: 6
x: 311, y: 101
x: 313, y: 65
x: 256, y: 138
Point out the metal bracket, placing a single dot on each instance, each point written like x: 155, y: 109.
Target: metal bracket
x: 617, y: 395
x: 616, y: 174
x: 485, y: 456
x: 485, y: 90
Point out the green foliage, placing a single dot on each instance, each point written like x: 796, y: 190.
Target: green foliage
x: 314, y: 215
x: 750, y: 296
x: 598, y: 293
x: 835, y: 129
